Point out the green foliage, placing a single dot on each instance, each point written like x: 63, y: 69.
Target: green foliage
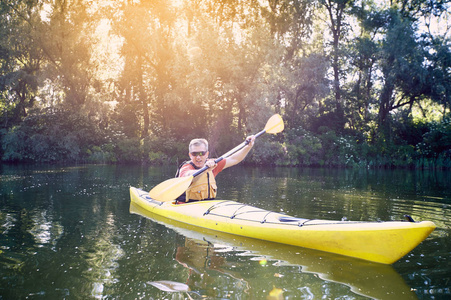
x: 47, y: 136
x: 128, y: 150
x: 14, y: 145
x: 436, y: 144
x: 102, y: 155
x: 20, y: 60
x: 303, y: 148
x: 164, y: 149
x: 341, y: 150
x: 267, y: 153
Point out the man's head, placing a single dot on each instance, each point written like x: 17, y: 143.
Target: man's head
x: 198, y: 152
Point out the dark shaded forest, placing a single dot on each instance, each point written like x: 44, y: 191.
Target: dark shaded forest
x: 358, y: 83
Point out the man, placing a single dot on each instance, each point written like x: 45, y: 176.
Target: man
x: 204, y: 186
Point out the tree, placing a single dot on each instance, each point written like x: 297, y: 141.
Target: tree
x: 336, y: 10
x: 66, y: 45
x: 299, y: 72
x: 20, y: 59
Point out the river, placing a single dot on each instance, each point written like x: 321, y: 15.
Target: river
x: 66, y: 232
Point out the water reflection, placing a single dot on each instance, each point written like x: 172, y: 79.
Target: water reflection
x: 101, y: 256
x: 216, y: 261
x: 44, y: 229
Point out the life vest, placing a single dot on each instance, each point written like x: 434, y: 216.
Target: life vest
x: 203, y: 187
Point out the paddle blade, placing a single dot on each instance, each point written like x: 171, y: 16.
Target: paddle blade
x: 170, y: 189
x: 274, y: 124
x: 170, y: 286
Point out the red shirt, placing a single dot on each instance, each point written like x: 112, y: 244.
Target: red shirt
x: 188, y: 167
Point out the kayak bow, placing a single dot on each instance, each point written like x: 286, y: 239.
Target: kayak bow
x: 382, y: 242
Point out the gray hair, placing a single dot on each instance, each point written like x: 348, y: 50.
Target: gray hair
x: 198, y: 142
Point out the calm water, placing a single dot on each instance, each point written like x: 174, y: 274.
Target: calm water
x: 67, y: 233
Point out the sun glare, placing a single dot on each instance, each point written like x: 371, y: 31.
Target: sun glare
x: 106, y: 52
x: 177, y: 3
x: 45, y: 12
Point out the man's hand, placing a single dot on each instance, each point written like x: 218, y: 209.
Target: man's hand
x: 251, y: 140
x: 211, y: 164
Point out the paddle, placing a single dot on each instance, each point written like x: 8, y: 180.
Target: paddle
x: 171, y: 189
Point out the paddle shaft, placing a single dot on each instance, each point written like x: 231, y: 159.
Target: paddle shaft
x: 234, y: 150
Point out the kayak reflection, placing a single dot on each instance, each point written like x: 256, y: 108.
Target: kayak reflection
x: 207, y: 253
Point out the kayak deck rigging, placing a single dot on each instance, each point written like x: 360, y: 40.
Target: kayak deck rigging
x: 237, y: 213
x: 280, y: 218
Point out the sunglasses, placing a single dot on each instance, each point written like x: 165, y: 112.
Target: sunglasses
x: 199, y: 153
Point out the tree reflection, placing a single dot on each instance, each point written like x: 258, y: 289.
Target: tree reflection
x: 101, y: 257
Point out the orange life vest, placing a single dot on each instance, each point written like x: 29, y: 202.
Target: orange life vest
x: 203, y: 186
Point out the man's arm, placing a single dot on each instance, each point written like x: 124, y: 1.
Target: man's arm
x: 186, y: 170
x: 240, y: 155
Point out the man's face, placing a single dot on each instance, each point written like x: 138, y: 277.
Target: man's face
x: 196, y: 155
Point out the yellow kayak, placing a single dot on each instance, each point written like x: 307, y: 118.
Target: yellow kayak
x: 382, y: 242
